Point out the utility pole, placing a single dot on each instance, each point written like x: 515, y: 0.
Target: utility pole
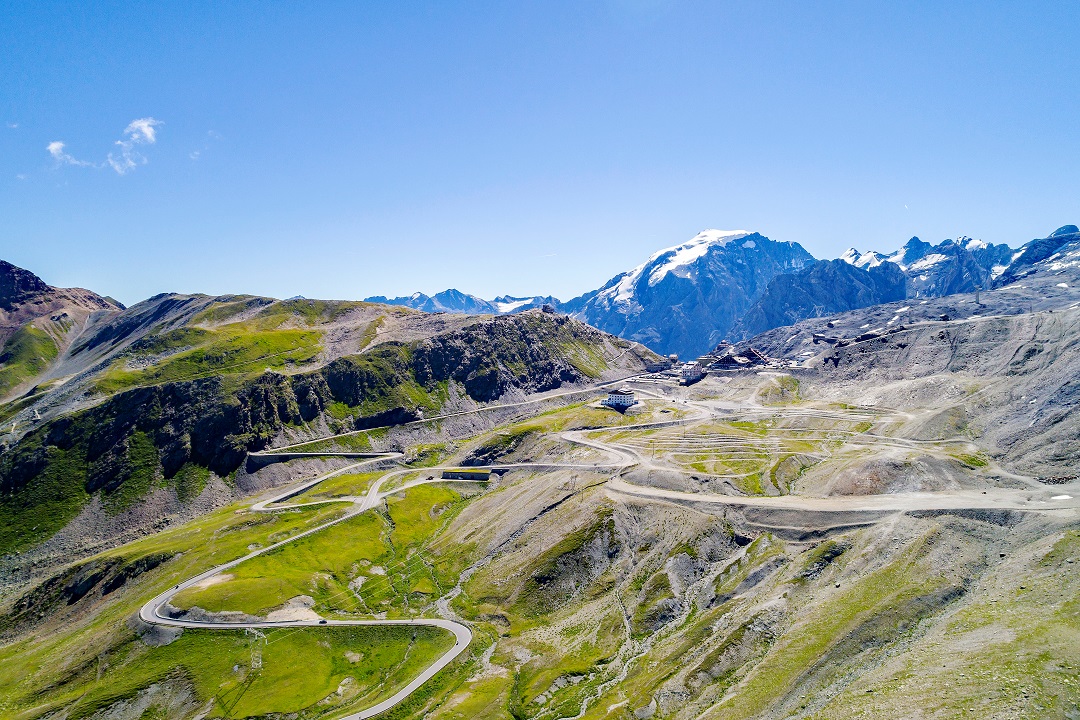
x: 256, y: 648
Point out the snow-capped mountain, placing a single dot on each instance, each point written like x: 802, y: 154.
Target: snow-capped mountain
x: 863, y: 259
x: 684, y: 299
x: 452, y: 301
x: 953, y: 266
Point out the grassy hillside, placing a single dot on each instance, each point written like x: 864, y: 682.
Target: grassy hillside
x: 231, y: 350
x: 26, y: 354
x: 204, y: 403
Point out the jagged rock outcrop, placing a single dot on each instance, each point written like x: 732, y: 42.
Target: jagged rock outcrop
x: 18, y: 285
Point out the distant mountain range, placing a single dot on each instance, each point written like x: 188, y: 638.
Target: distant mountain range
x: 735, y: 284
x: 954, y: 266
x: 455, y: 301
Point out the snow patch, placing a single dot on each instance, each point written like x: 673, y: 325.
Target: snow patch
x: 973, y: 244
x: 623, y: 292
x: 671, y: 259
x: 851, y: 256
x: 509, y: 307
x: 869, y: 259
x: 897, y: 258
x: 1062, y: 264
x: 1062, y: 285
x: 749, y: 244
x: 995, y: 272
x: 683, y: 255
x: 929, y: 261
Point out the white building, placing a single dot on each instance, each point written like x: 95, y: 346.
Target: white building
x: 692, y: 372
x: 619, y: 399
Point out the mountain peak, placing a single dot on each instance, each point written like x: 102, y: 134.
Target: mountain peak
x: 970, y: 243
x: 868, y: 259
x: 682, y: 255
x: 17, y: 285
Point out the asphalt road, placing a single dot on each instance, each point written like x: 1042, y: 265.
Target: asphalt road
x: 151, y: 611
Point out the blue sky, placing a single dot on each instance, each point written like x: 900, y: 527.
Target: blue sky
x: 352, y: 149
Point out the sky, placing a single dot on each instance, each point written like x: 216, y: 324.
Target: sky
x: 342, y: 150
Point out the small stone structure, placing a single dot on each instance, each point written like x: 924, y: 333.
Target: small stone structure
x: 466, y: 474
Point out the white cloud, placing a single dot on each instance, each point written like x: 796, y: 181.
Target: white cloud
x: 56, y: 149
x: 13, y: 126
x: 138, y: 132
x: 142, y: 130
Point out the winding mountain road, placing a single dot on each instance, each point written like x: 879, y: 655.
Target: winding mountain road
x: 151, y: 612
x: 155, y: 611
x: 621, y: 458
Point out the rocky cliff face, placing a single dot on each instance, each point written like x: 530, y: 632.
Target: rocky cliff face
x: 24, y: 297
x: 824, y: 288
x: 37, y: 322
x: 18, y: 285
x: 685, y: 299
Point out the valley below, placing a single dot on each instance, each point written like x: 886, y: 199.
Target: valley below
x: 239, y: 507
x: 748, y: 546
